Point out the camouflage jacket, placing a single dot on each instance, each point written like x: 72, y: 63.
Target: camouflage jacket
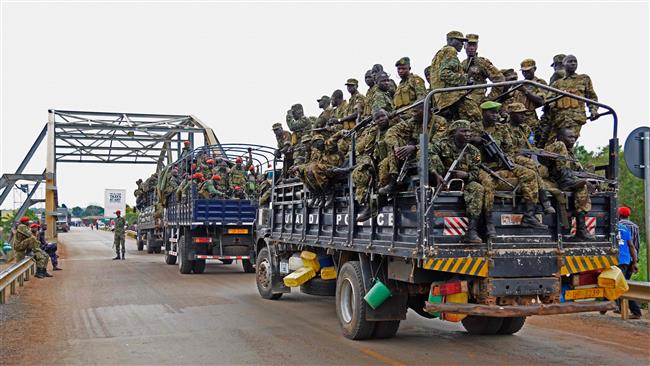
x: 341, y: 110
x: 443, y: 152
x: 120, y: 226
x: 519, y: 136
x: 367, y: 108
x: 446, y: 71
x: 370, y: 145
x: 302, y: 124
x: 356, y: 101
x: 485, y: 71
x: 381, y: 100
x: 501, y: 133
x: 557, y: 165
x: 324, y: 116
x: 578, y: 84
x: 519, y: 96
x: 283, y: 140
x: 409, y: 90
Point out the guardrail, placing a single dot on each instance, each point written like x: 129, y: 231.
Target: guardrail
x: 639, y: 291
x: 17, y: 273
x: 131, y: 234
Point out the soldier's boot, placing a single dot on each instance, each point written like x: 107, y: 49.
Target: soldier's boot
x: 117, y: 256
x: 365, y: 213
x: 388, y: 188
x: 471, y: 236
x: 546, y: 202
x: 45, y: 273
x: 581, y: 228
x: 122, y: 255
x: 490, y: 230
x: 57, y: 268
x: 39, y: 273
x: 529, y: 220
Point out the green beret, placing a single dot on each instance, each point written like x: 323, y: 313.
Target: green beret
x: 354, y: 82
x: 277, y: 126
x: 324, y: 97
x: 472, y: 38
x: 490, y: 105
x: 461, y: 123
x: 527, y: 64
x: 403, y: 61
x: 558, y: 58
x: 456, y: 35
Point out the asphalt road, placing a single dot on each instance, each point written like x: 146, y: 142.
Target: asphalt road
x: 142, y: 311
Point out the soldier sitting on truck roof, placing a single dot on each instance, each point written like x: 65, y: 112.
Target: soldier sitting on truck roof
x: 443, y: 153
x: 138, y: 193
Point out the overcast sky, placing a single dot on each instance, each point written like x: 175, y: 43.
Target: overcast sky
x: 238, y: 67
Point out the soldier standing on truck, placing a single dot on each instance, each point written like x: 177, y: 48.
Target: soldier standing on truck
x: 481, y: 70
x: 411, y: 87
x: 298, y: 123
x: 326, y: 114
x: 118, y: 236
x: 381, y: 98
x: 138, y: 193
x: 443, y: 153
x: 355, y: 104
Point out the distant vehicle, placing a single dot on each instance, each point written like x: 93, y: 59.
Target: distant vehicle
x: 63, y: 220
x: 101, y: 225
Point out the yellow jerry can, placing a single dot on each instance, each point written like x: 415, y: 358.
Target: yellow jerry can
x: 310, y: 259
x: 613, y: 281
x: 299, y: 277
x: 461, y: 298
x: 328, y: 273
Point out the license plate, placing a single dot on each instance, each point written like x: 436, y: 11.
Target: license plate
x: 237, y: 231
x: 284, y: 267
x: 511, y: 219
x: 584, y: 293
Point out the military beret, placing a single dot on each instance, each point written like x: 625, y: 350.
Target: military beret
x: 354, y: 82
x: 472, y: 38
x: 516, y: 107
x: 324, y: 97
x: 558, y: 58
x: 305, y: 138
x: 456, y: 35
x: 317, y: 136
x: 507, y: 71
x: 34, y: 226
x: 490, y: 105
x: 527, y: 64
x: 24, y: 219
x: 277, y: 126
x: 403, y: 61
x: 461, y: 123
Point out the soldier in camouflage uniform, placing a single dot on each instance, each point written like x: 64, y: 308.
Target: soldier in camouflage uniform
x: 138, y: 193
x: 283, y: 139
x: 558, y: 68
x: 561, y: 171
x: 326, y: 114
x: 446, y: 72
x: 24, y: 241
x: 339, y: 104
x: 381, y: 98
x: 302, y: 151
x: 237, y: 175
x: 531, y: 97
x: 378, y: 68
x: 442, y: 154
x: 569, y: 112
x: 322, y: 171
x: 298, y: 123
x: 264, y: 188
x: 369, y: 151
x: 372, y: 89
x: 118, y: 236
x: 546, y: 121
x: 356, y: 104
x: 410, y: 89
x: 213, y: 188
x: 480, y: 69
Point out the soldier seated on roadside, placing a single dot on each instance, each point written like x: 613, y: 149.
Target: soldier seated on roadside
x: 442, y: 154
x: 24, y: 242
x: 49, y: 248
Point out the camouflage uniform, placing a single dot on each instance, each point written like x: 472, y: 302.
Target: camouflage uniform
x: 356, y: 101
x: 367, y: 107
x: 446, y: 71
x: 118, y: 237
x: 25, y: 241
x: 409, y: 91
x: 568, y: 112
x: 532, y: 121
x: 298, y: 127
x: 581, y: 198
x: 442, y: 153
x: 237, y: 177
x: 381, y: 100
x: 264, y: 190
x: 485, y: 71
x: 369, y: 149
x: 212, y: 189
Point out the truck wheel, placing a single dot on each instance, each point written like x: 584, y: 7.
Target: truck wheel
x: 319, y: 287
x: 264, y: 275
x: 512, y: 325
x: 350, y: 307
x: 248, y: 266
x: 170, y: 259
x: 157, y: 250
x: 385, y: 329
x: 150, y: 243
x: 482, y: 324
x: 198, y: 266
x: 140, y: 242
x: 226, y: 261
x: 184, y: 266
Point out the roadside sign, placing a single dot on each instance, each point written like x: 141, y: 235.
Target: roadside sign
x: 114, y: 199
x: 633, y: 151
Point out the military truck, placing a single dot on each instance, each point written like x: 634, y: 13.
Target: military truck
x: 150, y: 225
x: 413, y: 250
x: 198, y: 229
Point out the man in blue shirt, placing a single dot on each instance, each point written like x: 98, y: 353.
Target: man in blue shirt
x: 627, y: 262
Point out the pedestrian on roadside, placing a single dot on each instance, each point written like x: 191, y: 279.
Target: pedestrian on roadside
x: 627, y: 262
x: 624, y: 214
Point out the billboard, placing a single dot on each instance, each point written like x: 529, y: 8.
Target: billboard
x: 114, y: 199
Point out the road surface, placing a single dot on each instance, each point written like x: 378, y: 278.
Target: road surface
x: 141, y: 311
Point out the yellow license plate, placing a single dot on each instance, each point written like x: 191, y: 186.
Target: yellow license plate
x: 584, y: 293
x: 237, y: 231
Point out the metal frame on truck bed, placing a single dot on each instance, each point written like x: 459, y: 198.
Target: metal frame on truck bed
x: 414, y: 248
x: 199, y: 229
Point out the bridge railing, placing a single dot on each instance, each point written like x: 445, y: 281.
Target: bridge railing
x: 18, y: 273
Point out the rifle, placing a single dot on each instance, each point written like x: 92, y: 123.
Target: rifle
x: 366, y: 122
x: 402, y: 172
x: 546, y: 154
x: 592, y: 176
x: 493, y: 150
x: 501, y: 97
x: 470, y: 62
x: 495, y: 175
x: 445, y: 180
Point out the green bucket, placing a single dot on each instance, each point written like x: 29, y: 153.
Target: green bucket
x: 377, y: 294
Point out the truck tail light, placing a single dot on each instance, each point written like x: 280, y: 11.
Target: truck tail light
x: 585, y: 278
x: 202, y: 240
x: 450, y: 288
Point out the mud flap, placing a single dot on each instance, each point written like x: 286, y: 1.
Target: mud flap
x: 277, y: 285
x: 395, y: 307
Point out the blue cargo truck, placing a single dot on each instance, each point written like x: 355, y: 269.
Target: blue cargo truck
x: 198, y: 229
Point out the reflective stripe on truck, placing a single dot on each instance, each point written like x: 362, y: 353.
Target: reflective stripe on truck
x: 233, y: 257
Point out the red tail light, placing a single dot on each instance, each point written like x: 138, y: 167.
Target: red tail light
x: 443, y: 289
x: 202, y: 240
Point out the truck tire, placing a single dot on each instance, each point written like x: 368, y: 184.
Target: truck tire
x: 385, y: 329
x: 170, y: 259
x: 478, y: 325
x: 184, y: 266
x: 319, y: 287
x: 350, y: 307
x: 264, y: 275
x: 139, y: 242
x: 248, y: 266
x: 150, y: 243
x: 226, y: 261
x: 512, y: 325
x: 198, y: 266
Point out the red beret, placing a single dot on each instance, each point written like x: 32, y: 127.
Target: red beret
x: 624, y: 211
x: 238, y: 160
x: 118, y: 211
x: 24, y: 219
x: 186, y: 142
x: 237, y: 188
x: 34, y: 226
x: 216, y: 177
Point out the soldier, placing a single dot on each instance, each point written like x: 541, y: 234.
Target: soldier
x: 446, y: 72
x: 326, y: 114
x: 569, y: 112
x: 507, y: 99
x: 562, y: 173
x: 442, y: 154
x: 321, y: 172
x: 49, y: 248
x: 186, y: 148
x: 264, y: 185
x: 356, y: 104
x: 480, y: 69
x: 118, y: 237
x: 378, y: 68
x: 237, y: 175
x: 381, y: 99
x: 298, y: 123
x: 558, y: 68
x: 369, y: 152
x: 138, y: 193
x: 25, y: 241
x: 372, y: 88
x: 302, y: 152
x: 339, y: 104
x: 427, y: 76
x: 212, y: 188
x: 283, y: 139
x: 411, y: 87
x: 531, y: 97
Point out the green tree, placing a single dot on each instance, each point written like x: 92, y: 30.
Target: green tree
x: 77, y: 211
x: 93, y: 210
